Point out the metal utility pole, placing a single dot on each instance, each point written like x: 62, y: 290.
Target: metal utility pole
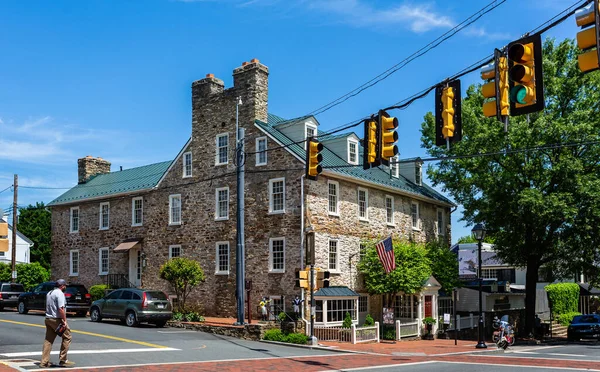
x: 14, y: 231
x: 311, y: 245
x: 240, y: 255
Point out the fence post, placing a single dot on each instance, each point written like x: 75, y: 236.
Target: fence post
x: 353, y: 334
x: 457, y: 327
x: 419, y: 327
x: 398, y: 330
x: 377, y: 328
x: 471, y: 319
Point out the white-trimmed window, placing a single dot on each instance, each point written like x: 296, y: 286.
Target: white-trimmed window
x: 489, y: 273
x: 394, y: 166
x: 389, y: 210
x: 174, y: 251
x: 137, y: 211
x: 222, y: 258
x: 103, y: 261
x: 416, y: 219
x: 187, y: 164
x: 261, y: 151
x: 334, y: 310
x: 418, y: 173
x: 277, y: 195
x: 441, y: 226
x: 74, y: 262
x: 310, y: 131
x: 175, y: 209
x: 222, y: 203
x: 222, y: 146
x: 363, y: 204
x: 276, y: 306
x: 74, y: 220
x: 333, y: 197
x: 352, y: 151
x: 104, y: 215
x: 362, y: 250
x: 333, y: 255
x: 277, y: 255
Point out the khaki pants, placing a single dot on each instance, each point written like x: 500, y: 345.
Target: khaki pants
x: 51, y: 324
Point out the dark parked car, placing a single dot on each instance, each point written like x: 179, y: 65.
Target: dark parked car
x: 9, y: 294
x: 133, y: 306
x: 77, y: 297
x: 584, y: 326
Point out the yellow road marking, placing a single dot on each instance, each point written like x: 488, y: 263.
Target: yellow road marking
x: 92, y: 334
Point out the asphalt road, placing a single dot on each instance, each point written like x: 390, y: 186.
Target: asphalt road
x: 110, y: 343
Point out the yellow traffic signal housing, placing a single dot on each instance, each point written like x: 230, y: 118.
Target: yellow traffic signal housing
x: 301, y: 278
x: 3, y: 237
x: 589, y: 38
x: 323, y: 279
x: 526, y: 83
x: 496, y: 89
x: 388, y: 137
x: 313, y: 159
x: 370, y: 144
x: 448, y: 122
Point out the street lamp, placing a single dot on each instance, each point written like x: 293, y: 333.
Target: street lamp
x: 479, y: 233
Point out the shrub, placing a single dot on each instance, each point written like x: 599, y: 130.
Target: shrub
x: 193, y: 317
x: 347, y: 321
x: 29, y: 275
x: 177, y: 316
x: 565, y: 319
x: 183, y: 274
x: 97, y: 291
x: 297, y: 338
x: 389, y: 332
x: 282, y: 316
x: 274, y: 335
x: 428, y: 320
x: 369, y: 321
x: 564, y: 297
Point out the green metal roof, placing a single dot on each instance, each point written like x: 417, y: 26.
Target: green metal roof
x: 336, y: 136
x: 341, y: 291
x: 373, y: 175
x: 128, y: 180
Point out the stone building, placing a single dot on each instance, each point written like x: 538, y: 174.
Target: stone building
x: 120, y: 227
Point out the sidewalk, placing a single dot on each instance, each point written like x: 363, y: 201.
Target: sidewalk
x: 409, y: 347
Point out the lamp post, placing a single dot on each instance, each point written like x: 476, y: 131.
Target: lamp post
x: 479, y: 233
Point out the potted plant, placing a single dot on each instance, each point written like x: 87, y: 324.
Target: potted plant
x: 429, y: 322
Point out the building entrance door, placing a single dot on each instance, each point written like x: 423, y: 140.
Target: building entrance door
x: 135, y: 266
x: 428, y: 306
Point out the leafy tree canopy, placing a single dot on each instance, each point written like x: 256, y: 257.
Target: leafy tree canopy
x: 183, y: 274
x: 543, y: 206
x: 35, y: 222
x: 470, y: 239
x: 444, y: 265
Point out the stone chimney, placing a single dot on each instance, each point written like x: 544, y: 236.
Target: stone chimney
x: 204, y: 88
x: 89, y: 167
x: 252, y: 78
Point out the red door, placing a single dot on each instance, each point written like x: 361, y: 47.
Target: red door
x: 428, y: 306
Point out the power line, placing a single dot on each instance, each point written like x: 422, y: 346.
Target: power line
x: 6, y: 189
x: 433, y: 44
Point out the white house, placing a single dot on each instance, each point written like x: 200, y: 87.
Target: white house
x: 23, y: 247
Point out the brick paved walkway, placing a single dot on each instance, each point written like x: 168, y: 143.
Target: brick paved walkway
x: 425, y: 347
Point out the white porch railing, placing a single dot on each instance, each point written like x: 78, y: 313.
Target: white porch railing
x: 353, y: 334
x: 407, y: 329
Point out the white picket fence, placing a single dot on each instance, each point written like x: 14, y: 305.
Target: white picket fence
x: 353, y: 334
x: 408, y: 329
x: 465, y: 322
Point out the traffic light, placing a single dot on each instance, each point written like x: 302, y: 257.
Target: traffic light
x: 496, y: 89
x: 313, y: 159
x: 323, y: 279
x: 448, y: 122
x: 370, y: 144
x: 525, y: 82
x: 589, y: 38
x: 301, y: 279
x: 3, y: 236
x: 388, y: 136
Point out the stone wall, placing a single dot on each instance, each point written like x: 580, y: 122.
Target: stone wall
x: 89, y: 166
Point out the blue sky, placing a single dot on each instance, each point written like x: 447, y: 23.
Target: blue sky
x: 113, y: 78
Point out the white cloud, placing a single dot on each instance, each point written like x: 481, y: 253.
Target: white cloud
x: 481, y: 32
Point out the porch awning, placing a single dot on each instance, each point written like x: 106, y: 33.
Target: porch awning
x: 127, y: 245
x: 341, y: 291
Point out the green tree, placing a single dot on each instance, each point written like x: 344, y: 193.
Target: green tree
x: 413, y: 268
x: 183, y: 274
x: 537, y: 202
x: 470, y: 239
x: 35, y: 222
x: 29, y: 275
x: 444, y: 265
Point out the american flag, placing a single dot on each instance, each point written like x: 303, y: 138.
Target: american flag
x: 385, y: 251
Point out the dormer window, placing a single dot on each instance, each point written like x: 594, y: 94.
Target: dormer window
x: 310, y: 131
x: 418, y: 173
x: 352, y: 151
x: 395, y: 167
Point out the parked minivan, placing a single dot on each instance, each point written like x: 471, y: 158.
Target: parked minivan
x: 76, y: 295
x: 9, y: 294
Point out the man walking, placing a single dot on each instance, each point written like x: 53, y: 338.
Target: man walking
x: 56, y: 314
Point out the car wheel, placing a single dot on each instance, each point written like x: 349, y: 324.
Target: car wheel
x: 130, y: 319
x: 22, y: 308
x: 161, y: 324
x: 95, y: 315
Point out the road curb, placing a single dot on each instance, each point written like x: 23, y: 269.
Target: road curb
x: 318, y: 348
